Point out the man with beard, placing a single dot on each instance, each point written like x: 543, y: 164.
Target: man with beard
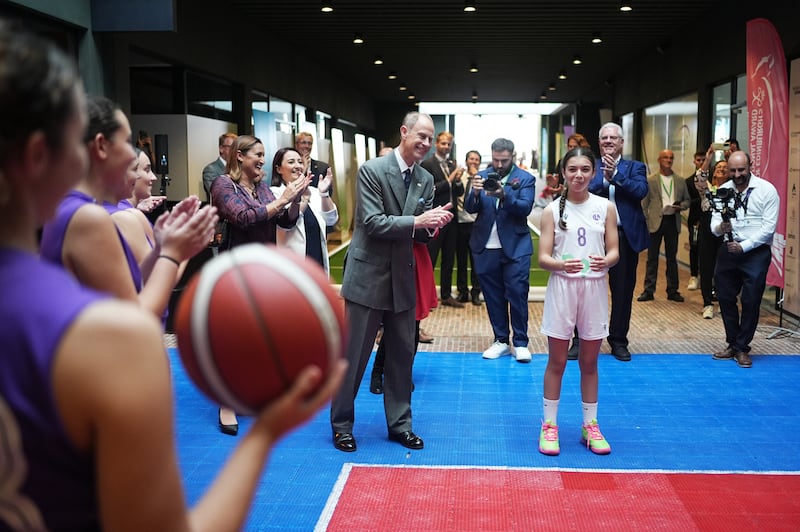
x: 502, y: 196
x: 744, y: 257
x: 624, y: 183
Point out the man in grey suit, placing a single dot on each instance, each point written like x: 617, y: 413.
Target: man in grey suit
x: 217, y: 167
x: 394, y: 206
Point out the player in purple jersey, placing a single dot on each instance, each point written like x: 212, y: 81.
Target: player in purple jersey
x: 81, y: 447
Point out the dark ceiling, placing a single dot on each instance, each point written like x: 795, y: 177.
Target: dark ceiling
x: 519, y: 46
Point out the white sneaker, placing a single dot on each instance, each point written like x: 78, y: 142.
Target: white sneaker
x: 496, y: 350
x: 522, y: 354
x: 692, y: 284
x: 708, y: 312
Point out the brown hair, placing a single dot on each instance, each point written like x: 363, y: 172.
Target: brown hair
x: 242, y: 145
x: 580, y: 151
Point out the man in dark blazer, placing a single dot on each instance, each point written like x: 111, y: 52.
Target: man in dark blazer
x: 624, y: 182
x: 394, y: 206
x: 444, y: 171
x: 216, y: 168
x: 501, y: 246
x: 303, y: 142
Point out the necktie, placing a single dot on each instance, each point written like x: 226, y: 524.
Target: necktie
x: 407, y: 177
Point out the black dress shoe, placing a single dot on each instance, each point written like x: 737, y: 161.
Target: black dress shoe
x: 476, y: 300
x: 376, y: 383
x: 344, y: 441
x: 574, y: 350
x: 621, y: 353
x: 676, y: 296
x: 230, y: 430
x: 407, y: 439
x: 463, y: 297
x: 645, y: 296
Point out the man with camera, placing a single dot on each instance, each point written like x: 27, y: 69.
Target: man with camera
x: 667, y: 196
x: 746, y: 213
x: 502, y: 197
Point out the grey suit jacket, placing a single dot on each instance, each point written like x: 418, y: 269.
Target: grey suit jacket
x: 379, y: 270
x: 652, y: 203
x: 210, y: 173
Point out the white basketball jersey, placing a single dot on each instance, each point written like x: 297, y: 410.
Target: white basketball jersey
x: 585, y: 233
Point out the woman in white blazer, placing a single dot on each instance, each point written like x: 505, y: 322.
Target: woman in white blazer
x: 317, y: 210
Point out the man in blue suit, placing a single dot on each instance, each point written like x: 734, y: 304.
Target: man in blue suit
x: 502, y: 196
x: 624, y: 183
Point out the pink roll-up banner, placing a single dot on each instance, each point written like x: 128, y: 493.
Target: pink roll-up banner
x: 768, y: 107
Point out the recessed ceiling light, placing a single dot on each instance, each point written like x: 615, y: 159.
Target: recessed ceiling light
x: 469, y: 6
x: 597, y: 38
x: 358, y: 39
x: 562, y: 75
x: 474, y: 96
x: 392, y: 75
x: 473, y: 68
x: 411, y: 96
x: 378, y: 60
x: 552, y: 86
x: 625, y: 6
x: 327, y: 7
x: 402, y: 86
x: 577, y: 60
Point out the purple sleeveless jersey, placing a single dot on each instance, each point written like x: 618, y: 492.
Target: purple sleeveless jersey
x: 47, y: 483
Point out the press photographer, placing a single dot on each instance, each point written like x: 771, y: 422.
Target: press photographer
x: 742, y: 261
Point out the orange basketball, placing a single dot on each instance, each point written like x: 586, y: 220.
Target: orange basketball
x: 251, y: 319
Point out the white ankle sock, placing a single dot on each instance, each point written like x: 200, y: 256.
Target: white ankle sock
x: 551, y: 410
x: 589, y: 412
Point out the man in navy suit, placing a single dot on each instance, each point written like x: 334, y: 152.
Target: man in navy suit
x: 623, y: 182
x: 502, y: 196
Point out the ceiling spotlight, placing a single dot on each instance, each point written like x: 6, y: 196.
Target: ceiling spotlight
x: 596, y: 38
x: 392, y: 75
x: 577, y: 60
x: 327, y: 6
x: 543, y: 96
x: 552, y: 86
x: 474, y: 96
x: 469, y: 6
x: 562, y: 75
x: 358, y: 39
x: 402, y: 87
x: 473, y: 68
x: 626, y: 6
x: 378, y: 60
x: 411, y: 96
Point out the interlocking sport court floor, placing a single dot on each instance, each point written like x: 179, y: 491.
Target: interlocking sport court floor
x: 697, y: 444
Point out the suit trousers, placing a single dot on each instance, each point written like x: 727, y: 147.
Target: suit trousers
x: 622, y: 282
x: 505, y: 283
x: 445, y: 242
x: 668, y: 231
x: 707, y: 249
x: 464, y: 259
x: 398, y: 335
x: 745, y: 273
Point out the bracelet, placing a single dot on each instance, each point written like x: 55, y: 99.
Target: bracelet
x: 325, y: 194
x: 175, y: 262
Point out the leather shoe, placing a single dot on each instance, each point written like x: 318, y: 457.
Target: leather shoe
x: 450, y: 302
x: 726, y: 354
x: 407, y: 439
x: 344, y: 441
x: 463, y: 297
x: 376, y: 383
x: 645, y: 296
x: 476, y: 300
x: 743, y: 359
x: 230, y: 430
x: 676, y: 296
x: 621, y: 353
x: 425, y: 338
x: 574, y: 350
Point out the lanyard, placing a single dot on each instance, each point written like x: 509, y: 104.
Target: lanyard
x: 743, y: 202
x: 667, y: 190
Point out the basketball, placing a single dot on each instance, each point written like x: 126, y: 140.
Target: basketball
x: 251, y: 319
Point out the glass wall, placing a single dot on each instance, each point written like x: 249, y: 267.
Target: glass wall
x: 671, y: 125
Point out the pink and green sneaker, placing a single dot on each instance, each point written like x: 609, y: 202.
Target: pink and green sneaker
x: 548, y: 439
x: 593, y: 438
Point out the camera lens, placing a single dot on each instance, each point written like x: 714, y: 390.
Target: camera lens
x: 492, y: 182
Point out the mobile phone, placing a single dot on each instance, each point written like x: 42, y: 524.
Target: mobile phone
x: 720, y: 146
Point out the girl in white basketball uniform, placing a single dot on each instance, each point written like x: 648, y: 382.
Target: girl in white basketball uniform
x: 578, y: 244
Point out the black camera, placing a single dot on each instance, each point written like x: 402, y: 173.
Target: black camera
x: 724, y: 202
x: 492, y: 182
